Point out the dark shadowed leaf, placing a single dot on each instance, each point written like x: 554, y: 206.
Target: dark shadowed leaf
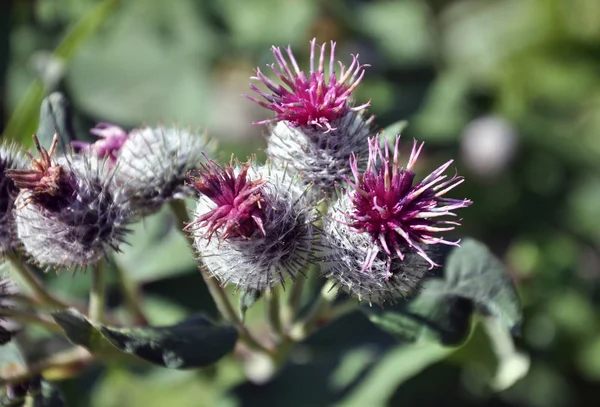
x: 46, y: 395
x: 473, y: 280
x: 194, y: 342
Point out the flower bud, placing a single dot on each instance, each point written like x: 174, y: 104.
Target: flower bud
x: 386, y: 222
x: 10, y: 159
x: 317, y: 127
x: 153, y: 163
x: 68, y: 212
x: 253, y: 226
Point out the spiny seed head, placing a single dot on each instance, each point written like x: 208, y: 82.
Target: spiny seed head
x: 321, y: 158
x: 273, y: 240
x: 386, y: 280
x: 108, y: 146
x: 237, y: 200
x: 153, y: 164
x: 399, y: 214
x: 317, y: 99
x: 78, y: 222
x: 10, y: 159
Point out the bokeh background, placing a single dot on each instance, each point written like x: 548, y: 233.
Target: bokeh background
x: 509, y: 88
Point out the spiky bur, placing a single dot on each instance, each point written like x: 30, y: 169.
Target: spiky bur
x: 153, y: 164
x: 111, y: 139
x: 10, y: 159
x: 67, y: 212
x: 390, y: 223
x: 316, y: 127
x: 253, y: 227
x: 8, y: 289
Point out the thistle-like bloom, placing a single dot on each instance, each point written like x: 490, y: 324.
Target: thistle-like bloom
x: 108, y: 146
x: 313, y: 99
x: 9, y: 159
x: 153, y: 164
x: 393, y: 218
x: 261, y: 220
x: 316, y: 127
x: 67, y: 212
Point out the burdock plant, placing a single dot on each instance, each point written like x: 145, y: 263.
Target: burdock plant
x: 335, y: 221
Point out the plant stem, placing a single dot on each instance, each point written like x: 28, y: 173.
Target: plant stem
x: 34, y: 283
x: 75, y: 358
x: 295, y: 299
x: 273, y: 312
x: 96, y: 310
x: 216, y: 291
x: 131, y: 295
x: 30, y: 317
x: 310, y: 321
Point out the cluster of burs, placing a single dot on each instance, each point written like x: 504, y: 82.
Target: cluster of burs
x: 332, y: 195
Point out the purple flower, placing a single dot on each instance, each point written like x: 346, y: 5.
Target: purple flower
x: 309, y: 101
x: 237, y: 199
x: 111, y: 140
x: 399, y: 214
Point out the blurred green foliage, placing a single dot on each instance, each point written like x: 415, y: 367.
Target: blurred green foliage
x: 509, y: 88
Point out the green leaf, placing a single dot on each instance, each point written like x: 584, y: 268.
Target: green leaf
x: 397, y: 366
x: 56, y: 116
x: 474, y: 280
x: 390, y: 132
x: 247, y: 299
x: 474, y: 273
x: 47, y: 395
x: 194, y: 342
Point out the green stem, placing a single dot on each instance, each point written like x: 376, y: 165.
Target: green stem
x: 33, y: 282
x: 273, y: 312
x: 216, y: 291
x: 131, y: 295
x: 74, y: 358
x: 29, y: 317
x: 311, y: 320
x: 96, y: 310
x: 295, y: 299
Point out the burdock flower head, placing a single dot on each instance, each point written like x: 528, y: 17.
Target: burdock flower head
x: 10, y: 159
x: 253, y: 226
x: 387, y: 225
x: 108, y: 146
x: 153, y: 163
x: 316, y: 126
x: 67, y: 212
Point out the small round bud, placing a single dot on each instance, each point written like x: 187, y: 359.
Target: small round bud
x: 153, y: 164
x: 68, y: 213
x: 321, y: 158
x: 253, y: 226
x: 10, y: 159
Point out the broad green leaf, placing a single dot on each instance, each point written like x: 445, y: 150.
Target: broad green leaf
x: 397, y: 366
x: 194, y: 342
x: 473, y: 280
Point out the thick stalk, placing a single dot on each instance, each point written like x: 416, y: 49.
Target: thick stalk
x: 295, y: 298
x: 131, y: 295
x: 33, y: 282
x: 217, y: 292
x: 311, y: 320
x: 26, y: 317
x: 96, y: 310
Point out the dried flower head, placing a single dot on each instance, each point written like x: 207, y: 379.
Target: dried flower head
x: 153, y: 164
x: 69, y: 219
x: 313, y: 99
x: 10, y: 159
x: 262, y: 221
x: 108, y: 146
x: 399, y: 214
